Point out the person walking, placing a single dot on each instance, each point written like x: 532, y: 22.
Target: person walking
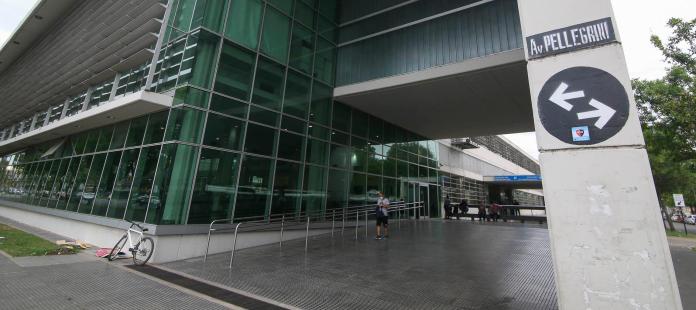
x: 495, y: 211
x: 482, y: 212
x: 463, y: 208
x: 382, y: 217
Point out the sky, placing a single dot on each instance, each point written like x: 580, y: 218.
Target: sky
x: 637, y: 20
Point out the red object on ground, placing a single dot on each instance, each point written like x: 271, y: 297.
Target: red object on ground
x: 103, y: 252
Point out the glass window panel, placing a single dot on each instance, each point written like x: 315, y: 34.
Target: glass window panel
x: 104, y: 138
x: 374, y: 164
x: 185, y: 124
x: 325, y: 61
x: 142, y: 184
x: 204, y: 59
x: 305, y: 14
x: 183, y: 14
x: 223, y: 132
x: 75, y: 193
x: 359, y: 123
x: 119, y: 138
x: 229, y: 106
x: 389, y: 167
x: 294, y: 125
x: 254, y: 187
x: 297, y: 91
x: 87, y: 190
x: 339, y: 137
x: 341, y: 117
x: 172, y: 187
x: 314, y: 189
x: 261, y: 115
x: 214, y: 188
x: 327, y: 29
x: 55, y: 190
x: 302, y: 48
x: 209, y: 14
x: 337, y: 189
x: 358, y: 190
x: 106, y: 183
x: 286, y: 187
x: 243, y: 21
x: 276, y: 35
x: 78, y: 143
x: 66, y: 182
x: 376, y: 129
x: 91, y: 142
x: 191, y: 96
x: 319, y: 132
x: 283, y: 5
x: 320, y: 111
x: 329, y: 8
x: 235, y: 71
x: 317, y: 152
x: 340, y: 156
x: 268, y: 84
x: 122, y: 186
x: 136, y: 131
x: 374, y: 185
x: 402, y: 169
x: 261, y: 140
x: 155, y: 127
x: 290, y: 146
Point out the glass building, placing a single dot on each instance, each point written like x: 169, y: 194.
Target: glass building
x: 252, y: 128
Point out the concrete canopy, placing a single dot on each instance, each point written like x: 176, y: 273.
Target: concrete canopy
x: 482, y: 96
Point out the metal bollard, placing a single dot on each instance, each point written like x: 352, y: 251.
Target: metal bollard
x: 207, y: 248
x: 306, y: 239
x: 343, y: 220
x: 333, y: 221
x: 234, y: 244
x: 357, y: 223
x: 282, y: 227
x: 366, y: 225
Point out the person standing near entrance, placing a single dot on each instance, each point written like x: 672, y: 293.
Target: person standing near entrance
x: 463, y: 208
x: 448, y: 212
x: 495, y: 211
x: 382, y: 217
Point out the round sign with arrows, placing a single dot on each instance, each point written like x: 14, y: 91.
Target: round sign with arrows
x: 583, y: 105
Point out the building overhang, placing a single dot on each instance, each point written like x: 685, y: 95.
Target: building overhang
x: 123, y: 108
x: 477, y: 97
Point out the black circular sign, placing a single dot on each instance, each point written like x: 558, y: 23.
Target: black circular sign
x: 583, y: 105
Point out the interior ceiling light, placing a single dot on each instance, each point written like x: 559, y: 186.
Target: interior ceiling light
x: 39, y: 17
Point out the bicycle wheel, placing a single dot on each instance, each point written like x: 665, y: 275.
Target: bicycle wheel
x: 143, y: 251
x: 117, y: 248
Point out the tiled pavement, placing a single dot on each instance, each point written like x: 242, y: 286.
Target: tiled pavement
x: 424, y: 265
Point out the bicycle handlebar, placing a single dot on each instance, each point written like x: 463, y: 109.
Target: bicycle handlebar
x: 136, y: 224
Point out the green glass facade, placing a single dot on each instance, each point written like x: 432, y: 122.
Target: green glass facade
x: 254, y: 130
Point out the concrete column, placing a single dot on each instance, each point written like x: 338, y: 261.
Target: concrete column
x: 65, y: 108
x: 607, y: 239
x: 88, y: 97
x: 114, y: 87
x: 48, y: 116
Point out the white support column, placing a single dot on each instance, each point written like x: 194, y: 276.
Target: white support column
x: 48, y: 116
x: 88, y: 97
x: 33, y: 121
x: 65, y: 108
x: 114, y: 87
x: 607, y: 238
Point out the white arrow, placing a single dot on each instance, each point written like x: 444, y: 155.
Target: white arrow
x: 560, y: 97
x: 603, y: 112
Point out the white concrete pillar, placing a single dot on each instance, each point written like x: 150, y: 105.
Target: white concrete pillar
x: 607, y: 239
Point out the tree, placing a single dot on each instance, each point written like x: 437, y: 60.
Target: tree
x: 667, y: 109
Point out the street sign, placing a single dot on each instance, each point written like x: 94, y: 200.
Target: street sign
x: 571, y: 38
x: 583, y: 105
x: 678, y: 200
x: 517, y: 178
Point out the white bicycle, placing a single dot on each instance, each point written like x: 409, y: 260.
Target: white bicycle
x: 141, y: 247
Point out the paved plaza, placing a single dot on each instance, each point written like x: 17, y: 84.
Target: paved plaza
x: 423, y: 265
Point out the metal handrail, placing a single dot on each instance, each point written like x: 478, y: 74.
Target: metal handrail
x: 297, y: 216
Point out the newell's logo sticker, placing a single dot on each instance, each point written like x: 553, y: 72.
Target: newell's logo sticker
x: 571, y: 38
x: 581, y: 133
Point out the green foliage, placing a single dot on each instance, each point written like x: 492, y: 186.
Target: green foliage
x: 667, y: 108
x: 19, y: 243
